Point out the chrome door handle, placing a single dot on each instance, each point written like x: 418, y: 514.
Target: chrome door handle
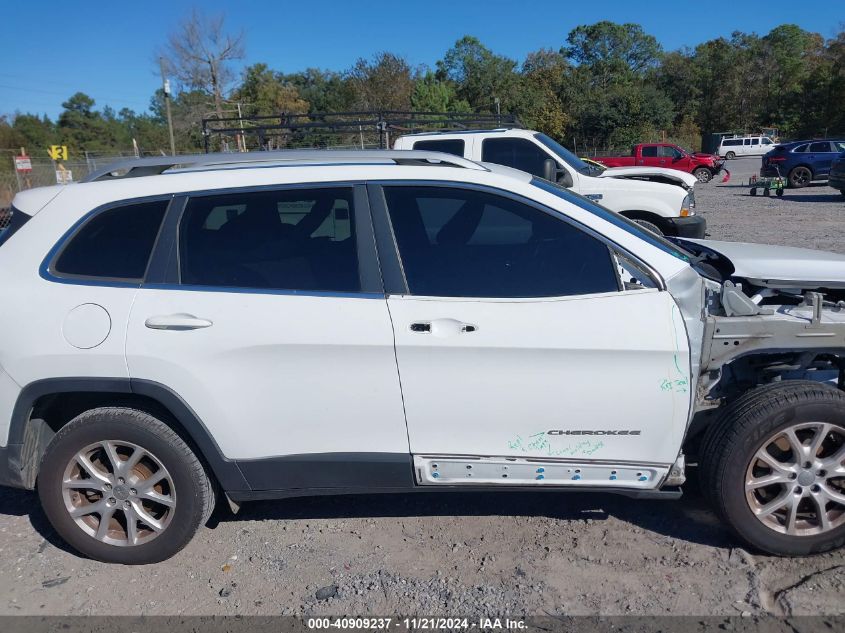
x: 177, y: 322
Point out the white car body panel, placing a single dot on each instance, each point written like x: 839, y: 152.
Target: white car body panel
x: 617, y: 194
x: 632, y: 172
x: 535, y: 365
x: 39, y: 348
x: 769, y: 265
x: 276, y: 374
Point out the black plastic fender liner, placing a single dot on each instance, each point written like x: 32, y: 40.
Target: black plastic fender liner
x: 18, y: 468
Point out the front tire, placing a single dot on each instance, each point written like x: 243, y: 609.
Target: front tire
x: 703, y: 174
x: 773, y: 466
x: 120, y: 486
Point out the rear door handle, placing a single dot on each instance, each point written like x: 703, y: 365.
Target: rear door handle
x: 177, y: 322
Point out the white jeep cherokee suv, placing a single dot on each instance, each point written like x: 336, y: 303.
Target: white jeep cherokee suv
x: 300, y: 323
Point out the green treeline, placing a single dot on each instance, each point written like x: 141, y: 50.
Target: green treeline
x: 608, y: 86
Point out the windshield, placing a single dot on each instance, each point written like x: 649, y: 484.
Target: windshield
x: 614, y: 218
x: 568, y: 157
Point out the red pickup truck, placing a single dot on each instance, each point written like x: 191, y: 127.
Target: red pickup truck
x: 702, y: 166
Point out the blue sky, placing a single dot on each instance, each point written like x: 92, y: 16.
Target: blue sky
x: 51, y: 49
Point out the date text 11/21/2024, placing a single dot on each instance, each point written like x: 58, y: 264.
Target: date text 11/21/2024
x: 416, y: 623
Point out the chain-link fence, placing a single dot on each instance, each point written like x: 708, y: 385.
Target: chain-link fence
x: 46, y: 172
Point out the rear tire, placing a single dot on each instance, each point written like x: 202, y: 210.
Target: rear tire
x: 703, y: 174
x: 730, y: 156
x: 650, y: 226
x: 149, y: 486
x: 733, y: 473
x: 800, y: 177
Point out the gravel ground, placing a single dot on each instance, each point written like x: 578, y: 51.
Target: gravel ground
x: 456, y: 553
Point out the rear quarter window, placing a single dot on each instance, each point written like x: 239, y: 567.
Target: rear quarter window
x: 113, y: 244
x: 449, y: 146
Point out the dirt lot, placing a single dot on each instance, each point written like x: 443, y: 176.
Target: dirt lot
x: 458, y: 554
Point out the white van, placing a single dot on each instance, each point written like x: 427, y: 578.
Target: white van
x: 733, y: 146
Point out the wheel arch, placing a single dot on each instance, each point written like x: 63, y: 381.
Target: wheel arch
x: 45, y: 406
x: 749, y: 370
x: 637, y: 214
x: 809, y: 167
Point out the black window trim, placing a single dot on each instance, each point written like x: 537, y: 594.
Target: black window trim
x: 47, y: 269
x: 165, y: 267
x: 395, y: 282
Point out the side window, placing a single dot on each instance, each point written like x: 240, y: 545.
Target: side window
x: 114, y: 244
x: 464, y: 243
x: 819, y: 147
x: 450, y: 146
x: 649, y: 151
x: 800, y: 149
x: 767, y: 141
x: 297, y: 239
x: 755, y: 141
x: 518, y: 153
x: 667, y: 151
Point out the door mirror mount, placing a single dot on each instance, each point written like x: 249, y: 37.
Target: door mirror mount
x: 565, y: 178
x: 553, y: 173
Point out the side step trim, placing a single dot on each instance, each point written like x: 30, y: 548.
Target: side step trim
x: 501, y: 472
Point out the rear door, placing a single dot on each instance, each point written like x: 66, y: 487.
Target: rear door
x: 821, y: 155
x: 515, y: 337
x: 269, y: 320
x: 650, y: 156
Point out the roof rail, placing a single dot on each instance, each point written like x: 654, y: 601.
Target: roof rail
x: 156, y: 165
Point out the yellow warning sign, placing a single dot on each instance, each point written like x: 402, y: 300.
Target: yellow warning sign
x: 57, y: 152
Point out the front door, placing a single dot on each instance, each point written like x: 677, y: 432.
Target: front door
x: 517, y: 338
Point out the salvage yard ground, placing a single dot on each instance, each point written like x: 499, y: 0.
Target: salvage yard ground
x: 459, y: 553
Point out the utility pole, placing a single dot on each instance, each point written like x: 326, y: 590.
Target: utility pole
x: 165, y: 84
x: 241, y: 138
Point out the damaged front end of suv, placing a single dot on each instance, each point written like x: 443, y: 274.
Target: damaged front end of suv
x: 775, y: 313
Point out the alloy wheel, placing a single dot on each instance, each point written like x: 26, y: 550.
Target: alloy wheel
x: 119, y: 493
x: 795, y: 482
x: 801, y: 176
